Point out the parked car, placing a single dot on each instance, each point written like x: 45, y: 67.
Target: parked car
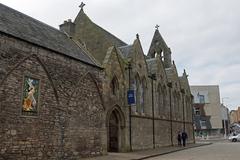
x: 234, y: 138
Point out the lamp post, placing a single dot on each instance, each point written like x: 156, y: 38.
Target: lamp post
x: 170, y: 114
x: 183, y: 105
x: 153, y: 77
x: 129, y: 107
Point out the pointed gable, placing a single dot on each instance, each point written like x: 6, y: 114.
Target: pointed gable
x: 158, y: 46
x: 93, y: 37
x: 184, y: 82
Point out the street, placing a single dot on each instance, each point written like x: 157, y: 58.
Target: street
x: 223, y: 150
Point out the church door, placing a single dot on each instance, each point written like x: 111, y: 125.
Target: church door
x: 113, y: 133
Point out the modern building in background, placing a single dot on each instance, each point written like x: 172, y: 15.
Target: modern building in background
x: 235, y: 116
x: 225, y: 119
x: 208, y: 118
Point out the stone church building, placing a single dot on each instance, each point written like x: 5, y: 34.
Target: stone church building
x: 64, y: 93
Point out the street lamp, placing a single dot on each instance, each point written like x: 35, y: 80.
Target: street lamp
x: 129, y: 107
x: 153, y: 77
x: 170, y: 86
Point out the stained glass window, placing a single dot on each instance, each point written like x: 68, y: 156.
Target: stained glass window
x: 30, y: 96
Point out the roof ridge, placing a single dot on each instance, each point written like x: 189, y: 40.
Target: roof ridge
x: 24, y: 27
x: 25, y: 15
x: 86, y: 52
x: 81, y: 12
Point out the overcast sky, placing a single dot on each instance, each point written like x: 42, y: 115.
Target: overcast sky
x: 204, y: 35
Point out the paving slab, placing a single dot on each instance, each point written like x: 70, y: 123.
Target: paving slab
x: 145, y: 154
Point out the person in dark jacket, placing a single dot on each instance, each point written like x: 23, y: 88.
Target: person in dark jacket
x: 179, y: 138
x: 184, y: 138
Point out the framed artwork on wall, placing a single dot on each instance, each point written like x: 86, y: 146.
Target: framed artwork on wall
x: 30, y: 94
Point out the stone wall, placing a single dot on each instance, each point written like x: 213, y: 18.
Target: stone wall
x: 141, y: 133
x: 70, y: 119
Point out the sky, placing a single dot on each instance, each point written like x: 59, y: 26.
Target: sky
x: 204, y: 35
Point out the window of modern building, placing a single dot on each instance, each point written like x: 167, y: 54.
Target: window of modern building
x: 201, y: 99
x: 203, y: 124
x: 197, y: 111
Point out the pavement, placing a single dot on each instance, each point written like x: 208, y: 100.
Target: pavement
x: 145, y: 154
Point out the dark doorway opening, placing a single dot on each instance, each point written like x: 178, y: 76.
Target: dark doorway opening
x: 113, y: 134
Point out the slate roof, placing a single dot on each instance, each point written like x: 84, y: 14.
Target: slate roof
x: 26, y: 28
x: 125, y: 50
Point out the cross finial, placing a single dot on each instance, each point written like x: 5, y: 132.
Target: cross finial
x: 157, y: 26
x: 137, y: 36
x: 82, y: 5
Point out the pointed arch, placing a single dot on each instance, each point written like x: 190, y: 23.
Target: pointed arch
x: 165, y: 95
x: 94, y: 80
x: 143, y: 95
x: 116, y: 108
x: 44, y: 68
x: 136, y: 86
x: 114, y: 85
x: 160, y: 99
x: 175, y: 103
x: 116, y: 129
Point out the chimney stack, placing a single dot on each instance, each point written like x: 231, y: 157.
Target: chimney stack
x: 68, y: 27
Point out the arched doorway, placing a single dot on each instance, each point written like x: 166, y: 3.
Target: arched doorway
x: 113, y: 133
x: 116, y: 130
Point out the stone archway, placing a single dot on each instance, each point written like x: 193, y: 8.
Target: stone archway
x: 113, y: 133
x: 116, y: 127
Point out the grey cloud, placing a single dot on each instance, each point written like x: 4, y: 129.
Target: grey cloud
x: 202, y: 34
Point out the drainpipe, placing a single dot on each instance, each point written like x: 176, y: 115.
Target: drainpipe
x: 153, y: 77
x: 170, y: 100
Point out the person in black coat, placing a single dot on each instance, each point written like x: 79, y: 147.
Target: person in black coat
x: 179, y: 138
x: 184, y: 138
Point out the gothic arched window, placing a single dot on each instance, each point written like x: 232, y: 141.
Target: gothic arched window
x: 159, y: 99
x: 137, y: 89
x: 164, y: 99
x: 114, y: 86
x: 143, y: 94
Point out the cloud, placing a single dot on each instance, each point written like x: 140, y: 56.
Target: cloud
x: 203, y: 35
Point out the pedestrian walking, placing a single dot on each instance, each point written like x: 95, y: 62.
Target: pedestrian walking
x: 179, y: 138
x: 184, y: 138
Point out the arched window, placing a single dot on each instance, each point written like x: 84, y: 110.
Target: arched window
x: 164, y: 108
x: 175, y: 110
x: 137, y: 89
x: 160, y: 100
x: 141, y: 91
x: 143, y: 94
x: 114, y: 86
x: 178, y: 105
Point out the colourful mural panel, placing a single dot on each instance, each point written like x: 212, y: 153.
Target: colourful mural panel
x: 30, y: 96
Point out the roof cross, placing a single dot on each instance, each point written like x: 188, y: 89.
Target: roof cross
x: 137, y: 36
x: 157, y: 26
x: 82, y: 5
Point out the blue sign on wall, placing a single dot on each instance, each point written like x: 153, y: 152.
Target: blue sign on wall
x: 131, y: 97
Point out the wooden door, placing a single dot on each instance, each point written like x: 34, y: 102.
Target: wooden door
x: 113, y: 133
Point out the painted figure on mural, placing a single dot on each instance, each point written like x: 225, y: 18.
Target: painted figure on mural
x: 30, y: 94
